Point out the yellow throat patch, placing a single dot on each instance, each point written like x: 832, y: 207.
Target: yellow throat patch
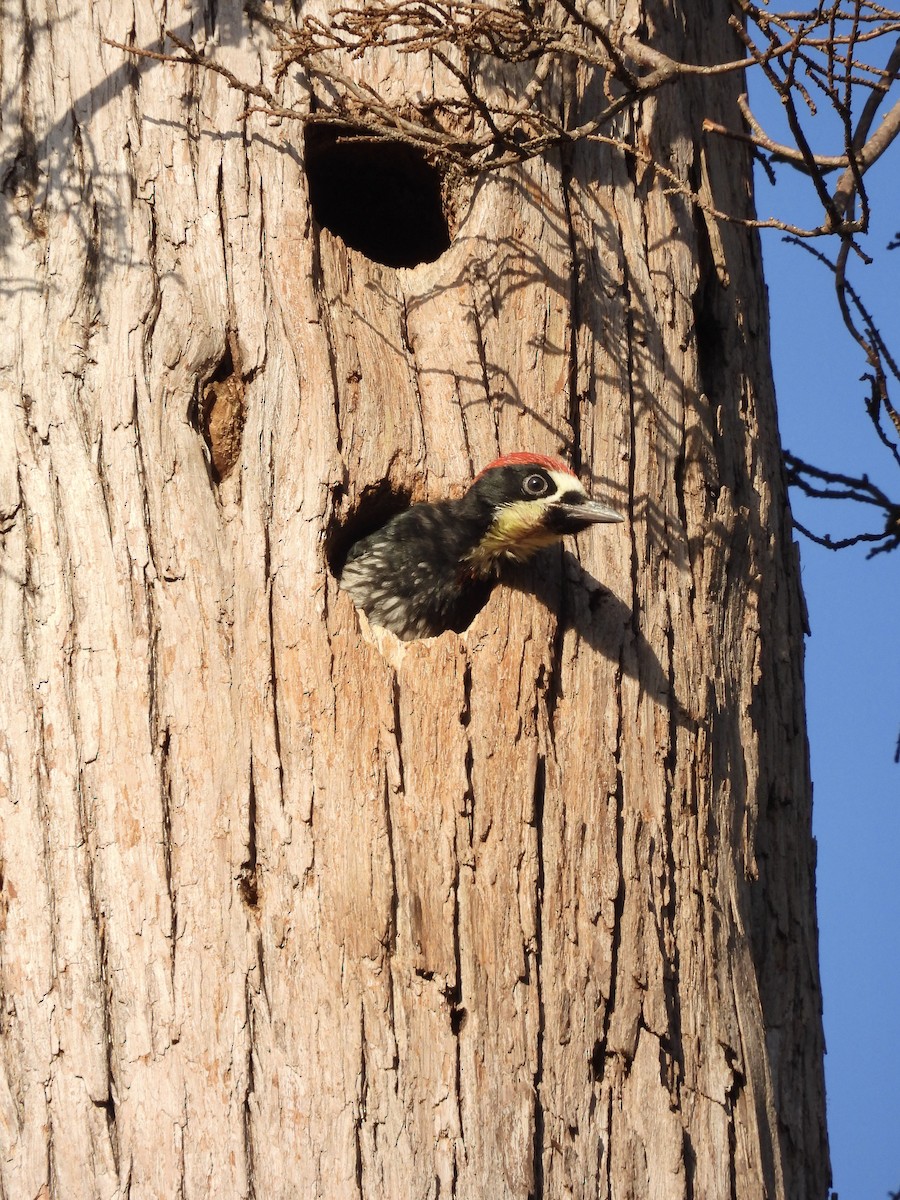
x: 515, y: 533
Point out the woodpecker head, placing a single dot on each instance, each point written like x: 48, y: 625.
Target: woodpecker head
x: 533, y: 502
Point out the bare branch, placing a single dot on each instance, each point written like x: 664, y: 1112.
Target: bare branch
x: 475, y: 131
x: 190, y: 57
x: 836, y: 486
x: 810, y: 56
x: 864, y: 158
x: 780, y: 152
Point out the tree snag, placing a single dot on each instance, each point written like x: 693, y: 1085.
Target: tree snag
x: 289, y: 910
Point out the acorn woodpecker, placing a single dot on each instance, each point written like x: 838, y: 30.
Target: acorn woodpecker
x: 432, y: 567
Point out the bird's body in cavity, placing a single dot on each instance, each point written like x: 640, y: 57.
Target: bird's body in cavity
x: 432, y: 567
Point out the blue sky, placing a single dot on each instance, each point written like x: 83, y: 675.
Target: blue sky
x: 852, y: 672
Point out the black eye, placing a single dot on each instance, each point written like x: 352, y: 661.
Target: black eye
x: 535, y: 485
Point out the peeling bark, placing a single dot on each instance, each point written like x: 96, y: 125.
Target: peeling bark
x: 292, y: 910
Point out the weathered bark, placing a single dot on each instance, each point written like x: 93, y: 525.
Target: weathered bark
x: 524, y: 911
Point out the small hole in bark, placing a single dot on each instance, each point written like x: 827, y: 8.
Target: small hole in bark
x: 248, y: 886
x: 374, y: 508
x: 457, y: 1020
x: 221, y: 411
x: 381, y: 197
x: 597, y: 1056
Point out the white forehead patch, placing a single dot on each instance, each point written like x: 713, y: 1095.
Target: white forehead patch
x: 565, y: 482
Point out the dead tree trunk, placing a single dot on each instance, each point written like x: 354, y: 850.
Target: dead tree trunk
x: 526, y: 911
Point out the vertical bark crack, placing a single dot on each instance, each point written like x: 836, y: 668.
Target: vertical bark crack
x: 465, y: 718
x: 321, y: 291
x: 390, y: 934
x: 166, y: 829
x: 248, y: 879
x: 598, y: 1056
x: 273, y: 666
x: 457, y: 1016
x: 249, y: 1149
x: 554, y: 666
x: 362, y: 1097
x: 574, y: 397
x: 540, y: 791
x: 668, y: 937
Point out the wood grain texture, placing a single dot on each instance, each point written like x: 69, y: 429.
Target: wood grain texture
x: 291, y: 910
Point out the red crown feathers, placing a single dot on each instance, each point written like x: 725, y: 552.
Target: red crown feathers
x: 525, y: 458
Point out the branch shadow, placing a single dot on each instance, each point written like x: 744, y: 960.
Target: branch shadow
x: 602, y: 621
